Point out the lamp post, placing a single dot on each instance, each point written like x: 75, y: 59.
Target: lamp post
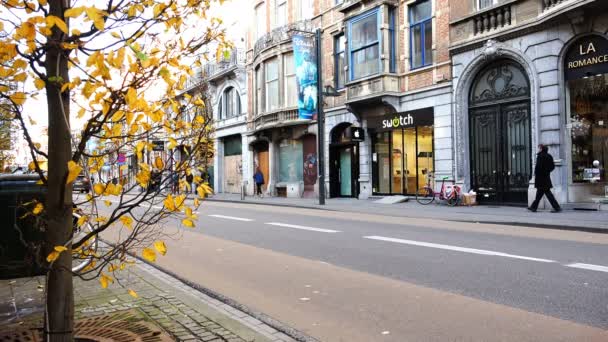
x: 329, y: 92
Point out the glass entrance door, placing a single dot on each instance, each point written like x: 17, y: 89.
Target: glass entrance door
x: 397, y: 165
x: 346, y: 173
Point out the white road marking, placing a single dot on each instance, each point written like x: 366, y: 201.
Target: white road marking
x: 456, y: 248
x: 294, y: 226
x: 589, y: 267
x: 232, y: 218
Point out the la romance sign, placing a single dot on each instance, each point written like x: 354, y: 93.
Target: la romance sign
x: 587, y: 57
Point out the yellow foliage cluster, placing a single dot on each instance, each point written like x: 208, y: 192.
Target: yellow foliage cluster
x: 110, y: 89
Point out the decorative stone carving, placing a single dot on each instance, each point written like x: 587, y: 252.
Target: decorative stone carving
x: 491, y: 49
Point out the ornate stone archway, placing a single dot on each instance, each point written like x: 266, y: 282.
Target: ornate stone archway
x: 491, y: 52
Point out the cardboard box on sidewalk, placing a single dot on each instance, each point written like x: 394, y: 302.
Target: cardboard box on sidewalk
x: 469, y: 199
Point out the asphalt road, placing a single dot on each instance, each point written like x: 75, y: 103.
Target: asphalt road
x: 361, y: 277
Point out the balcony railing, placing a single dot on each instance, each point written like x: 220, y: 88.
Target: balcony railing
x: 491, y: 20
x: 235, y: 59
x: 281, y: 34
x: 377, y: 86
x: 266, y: 120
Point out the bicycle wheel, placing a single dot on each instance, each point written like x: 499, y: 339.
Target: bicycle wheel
x: 425, y: 195
x: 80, y: 261
x: 453, y: 200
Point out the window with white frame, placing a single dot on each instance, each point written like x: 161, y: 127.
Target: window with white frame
x: 220, y: 109
x: 280, y: 13
x: 339, y: 60
x: 232, y: 102
x: 259, y: 81
x: 289, y: 70
x: 421, y: 34
x: 306, y: 9
x: 481, y: 4
x: 260, y: 20
x: 364, y: 45
x: 272, y: 84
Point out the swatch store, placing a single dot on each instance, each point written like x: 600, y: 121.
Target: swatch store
x: 402, y: 151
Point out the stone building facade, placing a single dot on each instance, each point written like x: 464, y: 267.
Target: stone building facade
x: 530, y: 72
x: 383, y: 59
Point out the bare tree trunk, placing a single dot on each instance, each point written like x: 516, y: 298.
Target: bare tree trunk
x: 60, y: 295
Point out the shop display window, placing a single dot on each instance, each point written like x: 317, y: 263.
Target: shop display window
x: 589, y: 128
x: 291, y: 164
x: 402, y: 158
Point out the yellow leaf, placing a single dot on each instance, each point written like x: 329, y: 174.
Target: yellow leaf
x: 105, y: 280
x: 107, y: 203
x: 158, y: 162
x: 196, y: 203
x: 39, y: 83
x: 82, y: 219
x: 42, y: 2
x: 31, y: 166
x: 149, y: 254
x: 172, y: 143
x: 38, y: 209
x: 169, y: 203
x: 60, y: 248
x: 133, y: 293
x: 100, y: 24
x: 160, y: 247
x: 73, y: 12
x: 73, y: 171
x: 20, y: 77
x: 52, y: 256
x: 188, y: 223
x: 98, y: 188
x: 19, y: 64
x: 18, y: 97
x: 55, y: 253
x: 52, y: 20
x: 127, y: 221
x: 115, y: 35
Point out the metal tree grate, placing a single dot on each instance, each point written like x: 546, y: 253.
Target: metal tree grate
x: 124, y: 326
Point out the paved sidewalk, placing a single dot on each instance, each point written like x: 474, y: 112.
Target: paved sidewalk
x: 593, y: 221
x: 164, y: 302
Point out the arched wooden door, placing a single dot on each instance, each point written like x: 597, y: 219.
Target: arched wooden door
x: 500, y: 134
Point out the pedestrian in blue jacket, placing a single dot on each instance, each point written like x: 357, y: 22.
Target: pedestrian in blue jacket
x: 258, y: 178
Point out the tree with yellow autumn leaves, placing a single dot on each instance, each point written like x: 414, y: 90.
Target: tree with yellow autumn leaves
x: 120, y: 67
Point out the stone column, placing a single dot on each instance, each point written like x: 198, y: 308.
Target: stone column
x: 218, y: 166
x: 245, y: 162
x: 273, y: 167
x: 365, y: 164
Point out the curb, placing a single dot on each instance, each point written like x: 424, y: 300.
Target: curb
x: 594, y: 230
x: 271, y: 204
x: 273, y: 323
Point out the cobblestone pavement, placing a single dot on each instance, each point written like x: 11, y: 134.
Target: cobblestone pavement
x: 183, y: 312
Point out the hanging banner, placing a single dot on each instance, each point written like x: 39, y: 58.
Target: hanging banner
x: 305, y: 62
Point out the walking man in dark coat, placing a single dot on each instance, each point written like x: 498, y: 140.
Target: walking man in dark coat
x: 542, y: 179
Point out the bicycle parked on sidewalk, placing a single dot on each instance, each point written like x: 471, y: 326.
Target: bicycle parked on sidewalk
x: 426, y: 194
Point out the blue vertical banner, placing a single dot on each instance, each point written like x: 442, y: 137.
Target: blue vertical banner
x: 305, y: 62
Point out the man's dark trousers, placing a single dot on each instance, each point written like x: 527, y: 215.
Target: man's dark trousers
x: 539, y: 196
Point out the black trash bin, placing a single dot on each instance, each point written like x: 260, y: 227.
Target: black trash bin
x: 21, y: 238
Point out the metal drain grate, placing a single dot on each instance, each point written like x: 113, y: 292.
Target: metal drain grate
x: 124, y: 326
